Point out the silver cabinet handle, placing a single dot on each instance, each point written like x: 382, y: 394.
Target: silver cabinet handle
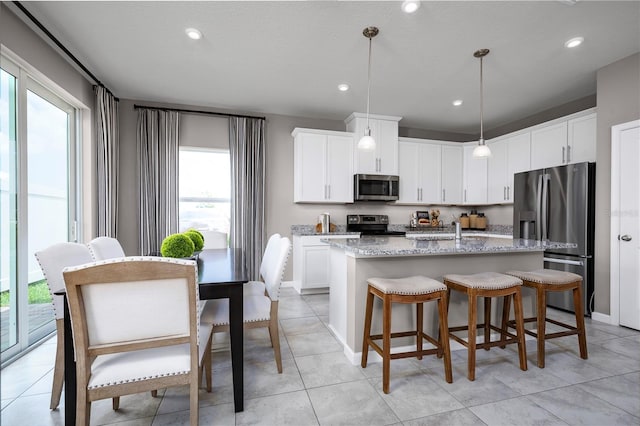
x: 626, y: 237
x: 563, y: 148
x: 568, y: 153
x: 465, y: 195
x: 325, y: 192
x: 564, y: 261
x: 418, y: 193
x: 508, y: 193
x: 443, y: 197
x: 504, y: 193
x: 328, y: 192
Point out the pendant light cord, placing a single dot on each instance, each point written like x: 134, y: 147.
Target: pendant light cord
x: 368, y: 88
x: 481, y: 105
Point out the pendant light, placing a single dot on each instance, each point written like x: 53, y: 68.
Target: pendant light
x: 367, y: 143
x: 482, y: 150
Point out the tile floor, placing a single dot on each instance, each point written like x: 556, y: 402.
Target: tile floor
x: 319, y: 386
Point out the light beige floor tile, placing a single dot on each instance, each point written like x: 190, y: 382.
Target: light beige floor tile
x: 515, y: 411
x: 462, y: 417
x: 305, y: 325
x: 618, y: 391
x: 327, y: 369
x: 33, y: 411
x: 313, y: 344
x: 285, y: 409
x: 132, y: 407
x: 263, y: 379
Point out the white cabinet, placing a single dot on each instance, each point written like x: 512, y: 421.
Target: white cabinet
x: 311, y: 263
x: 384, y: 129
x: 420, y: 172
x: 568, y: 140
x: 509, y: 155
x: 451, y: 192
x: 475, y: 177
x: 323, y: 166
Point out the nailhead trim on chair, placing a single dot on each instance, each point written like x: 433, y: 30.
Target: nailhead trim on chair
x: 484, y: 280
x: 546, y: 276
x: 407, y: 286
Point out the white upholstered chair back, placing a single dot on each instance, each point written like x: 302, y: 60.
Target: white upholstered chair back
x: 270, y: 253
x: 105, y: 248
x: 275, y: 268
x: 53, y: 260
x: 214, y: 239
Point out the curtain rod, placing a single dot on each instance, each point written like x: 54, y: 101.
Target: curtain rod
x: 190, y: 111
x: 61, y: 46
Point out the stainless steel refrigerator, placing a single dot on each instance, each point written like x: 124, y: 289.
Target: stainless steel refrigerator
x: 558, y: 204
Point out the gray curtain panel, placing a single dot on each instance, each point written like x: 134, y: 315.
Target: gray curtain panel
x: 247, y: 147
x: 157, y: 142
x: 107, y: 142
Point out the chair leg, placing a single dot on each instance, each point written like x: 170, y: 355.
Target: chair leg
x: 487, y: 322
x: 506, y: 308
x: 419, y: 323
x: 367, y: 330
x: 541, y: 323
x: 206, y: 363
x: 471, y: 344
x: 443, y: 337
x: 386, y: 342
x: 579, y: 308
x: 522, y: 348
x: 275, y: 342
x: 193, y: 401
x: 83, y: 408
x: 154, y: 394
x: 58, y: 369
x: 115, y: 402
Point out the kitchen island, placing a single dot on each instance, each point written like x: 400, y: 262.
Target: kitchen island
x: 354, y: 260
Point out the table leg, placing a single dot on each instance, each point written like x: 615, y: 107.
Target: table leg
x: 236, y: 317
x: 69, y: 370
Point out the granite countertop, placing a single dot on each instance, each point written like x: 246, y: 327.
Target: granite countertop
x: 389, y: 246
x: 506, y: 230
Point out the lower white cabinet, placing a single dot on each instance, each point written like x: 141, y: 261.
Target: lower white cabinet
x: 311, y: 264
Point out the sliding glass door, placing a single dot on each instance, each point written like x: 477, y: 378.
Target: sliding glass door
x: 38, y: 139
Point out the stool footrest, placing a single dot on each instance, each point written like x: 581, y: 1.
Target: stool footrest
x: 571, y: 330
x: 510, y: 338
x: 410, y: 354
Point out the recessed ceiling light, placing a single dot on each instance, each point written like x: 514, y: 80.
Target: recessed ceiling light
x: 193, y: 33
x: 574, y: 42
x: 410, y: 6
x: 457, y: 102
x: 343, y: 87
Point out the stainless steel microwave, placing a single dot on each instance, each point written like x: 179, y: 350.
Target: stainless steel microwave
x: 375, y: 187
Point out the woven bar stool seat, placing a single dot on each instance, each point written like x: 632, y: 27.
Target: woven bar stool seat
x: 417, y: 289
x: 543, y: 281
x: 488, y: 285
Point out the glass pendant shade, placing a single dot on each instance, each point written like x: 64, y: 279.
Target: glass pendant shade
x: 367, y: 143
x: 481, y: 151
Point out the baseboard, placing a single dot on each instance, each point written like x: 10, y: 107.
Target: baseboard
x: 286, y: 284
x: 597, y: 316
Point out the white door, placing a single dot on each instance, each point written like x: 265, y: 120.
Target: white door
x: 625, y: 181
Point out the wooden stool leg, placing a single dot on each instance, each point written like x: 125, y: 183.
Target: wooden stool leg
x: 506, y: 308
x: 447, y: 298
x: 444, y: 337
x: 522, y: 348
x: 487, y: 322
x: 541, y: 322
x: 579, y: 308
x: 386, y: 342
x: 367, y: 329
x: 471, y: 346
x: 419, y: 323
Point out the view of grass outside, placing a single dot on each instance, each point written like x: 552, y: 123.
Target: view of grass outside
x: 38, y: 293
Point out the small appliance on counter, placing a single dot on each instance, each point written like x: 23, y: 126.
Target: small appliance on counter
x: 370, y: 224
x: 324, y: 224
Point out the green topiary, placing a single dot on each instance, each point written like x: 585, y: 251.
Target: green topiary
x: 177, y: 245
x: 197, y: 232
x: 196, y: 237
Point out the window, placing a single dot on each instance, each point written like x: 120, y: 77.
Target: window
x: 204, y: 190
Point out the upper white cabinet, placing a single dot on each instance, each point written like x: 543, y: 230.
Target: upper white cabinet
x: 323, y: 166
x: 474, y: 190
x: 451, y: 192
x: 509, y: 155
x: 568, y: 140
x: 384, y: 129
x: 420, y: 172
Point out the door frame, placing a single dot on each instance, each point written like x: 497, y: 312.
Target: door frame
x: 614, y: 256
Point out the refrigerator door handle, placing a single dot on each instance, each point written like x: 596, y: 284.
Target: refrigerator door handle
x: 545, y: 206
x: 538, y: 208
x: 564, y: 261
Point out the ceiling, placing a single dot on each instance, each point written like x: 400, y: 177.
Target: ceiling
x: 288, y: 57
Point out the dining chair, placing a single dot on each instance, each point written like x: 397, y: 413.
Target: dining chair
x: 214, y: 239
x: 257, y: 288
x: 155, y: 340
x: 105, y: 248
x: 52, y: 261
x: 259, y: 310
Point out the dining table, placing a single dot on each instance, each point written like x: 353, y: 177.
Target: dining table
x: 221, y: 274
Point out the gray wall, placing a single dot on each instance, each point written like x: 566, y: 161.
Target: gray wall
x: 618, y: 102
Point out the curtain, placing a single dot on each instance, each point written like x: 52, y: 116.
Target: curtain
x: 246, y: 147
x: 157, y: 143
x: 107, y: 141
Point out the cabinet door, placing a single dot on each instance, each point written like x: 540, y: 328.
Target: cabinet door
x: 310, y: 164
x: 316, y: 266
x: 548, y: 146
x: 451, y: 175
x: 409, y: 167
x: 497, y: 172
x: 518, y: 159
x: 387, y: 147
x: 339, y: 169
x: 430, y: 168
x: 475, y: 178
x: 582, y: 139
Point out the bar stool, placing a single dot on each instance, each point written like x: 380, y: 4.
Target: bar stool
x: 417, y: 289
x: 544, y: 280
x: 488, y: 285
